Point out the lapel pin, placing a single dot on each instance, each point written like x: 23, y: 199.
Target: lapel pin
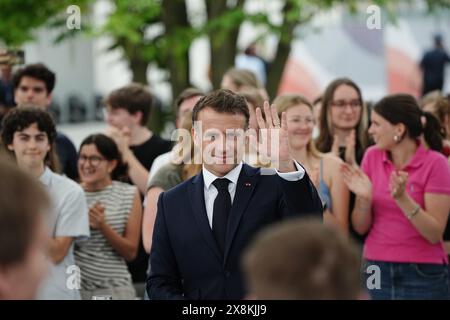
x: 248, y: 184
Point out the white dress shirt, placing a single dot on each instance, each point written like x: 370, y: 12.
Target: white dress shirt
x: 211, y: 192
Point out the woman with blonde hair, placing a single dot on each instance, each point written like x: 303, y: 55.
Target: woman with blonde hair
x: 322, y: 167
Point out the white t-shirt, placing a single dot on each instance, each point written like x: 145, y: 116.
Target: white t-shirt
x: 69, y: 218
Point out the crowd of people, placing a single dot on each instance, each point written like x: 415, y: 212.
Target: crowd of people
x: 352, y: 188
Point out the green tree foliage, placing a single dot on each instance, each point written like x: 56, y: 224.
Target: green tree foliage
x: 160, y: 32
x: 20, y: 19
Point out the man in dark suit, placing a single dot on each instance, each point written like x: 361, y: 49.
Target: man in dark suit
x: 204, y: 224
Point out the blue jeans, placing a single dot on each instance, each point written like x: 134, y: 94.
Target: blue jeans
x: 406, y: 281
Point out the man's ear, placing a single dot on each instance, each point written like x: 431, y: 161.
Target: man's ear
x: 10, y: 147
x: 138, y: 117
x: 15, y: 95
x: 49, y: 100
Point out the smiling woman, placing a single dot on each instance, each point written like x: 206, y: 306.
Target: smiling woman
x: 403, y: 191
x: 114, y: 218
x: 322, y: 168
x: 342, y: 111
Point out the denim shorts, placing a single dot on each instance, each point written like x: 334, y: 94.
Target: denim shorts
x: 406, y: 281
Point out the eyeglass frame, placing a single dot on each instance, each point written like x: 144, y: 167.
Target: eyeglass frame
x: 90, y: 160
x: 347, y: 103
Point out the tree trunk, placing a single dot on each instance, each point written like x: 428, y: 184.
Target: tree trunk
x: 139, y: 69
x: 174, y: 18
x: 282, y: 52
x: 223, y: 49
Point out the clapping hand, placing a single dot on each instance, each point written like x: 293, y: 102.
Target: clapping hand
x: 397, y: 183
x: 350, y: 143
x: 357, y: 181
x: 96, y: 215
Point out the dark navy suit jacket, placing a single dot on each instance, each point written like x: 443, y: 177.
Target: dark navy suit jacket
x: 185, y: 260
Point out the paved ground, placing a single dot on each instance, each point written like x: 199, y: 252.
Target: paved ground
x: 77, y: 132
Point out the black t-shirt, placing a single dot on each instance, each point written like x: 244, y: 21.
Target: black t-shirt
x: 447, y: 231
x: 67, y: 155
x: 146, y: 153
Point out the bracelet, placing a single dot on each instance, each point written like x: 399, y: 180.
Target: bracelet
x: 413, y: 213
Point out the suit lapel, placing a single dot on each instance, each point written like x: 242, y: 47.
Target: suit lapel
x: 197, y: 198
x: 246, y: 183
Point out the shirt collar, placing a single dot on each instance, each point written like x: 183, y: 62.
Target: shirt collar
x: 233, y: 175
x: 46, y: 176
x: 416, y: 160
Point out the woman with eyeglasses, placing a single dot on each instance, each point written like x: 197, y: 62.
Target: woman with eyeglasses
x: 343, y: 121
x: 114, y: 218
x: 323, y: 168
x: 343, y: 127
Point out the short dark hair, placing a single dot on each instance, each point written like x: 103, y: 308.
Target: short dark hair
x: 133, y: 98
x: 38, y: 71
x: 22, y: 201
x: 185, y: 95
x: 222, y: 101
x: 437, y: 39
x: 403, y: 108
x: 108, y: 149
x: 19, y: 119
x: 302, y: 259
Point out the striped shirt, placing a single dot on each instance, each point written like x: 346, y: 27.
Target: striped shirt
x: 101, y: 266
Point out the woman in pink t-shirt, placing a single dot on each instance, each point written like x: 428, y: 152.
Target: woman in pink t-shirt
x: 403, y: 202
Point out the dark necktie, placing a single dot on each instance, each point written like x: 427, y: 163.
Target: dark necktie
x: 221, y: 210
